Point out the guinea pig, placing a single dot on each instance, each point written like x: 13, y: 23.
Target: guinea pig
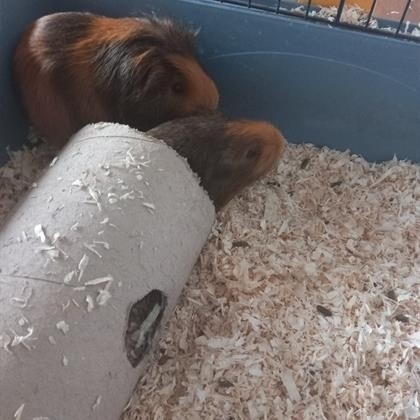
x: 227, y: 155
x: 78, y: 68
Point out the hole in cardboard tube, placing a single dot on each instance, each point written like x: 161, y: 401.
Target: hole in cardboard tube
x: 144, y: 319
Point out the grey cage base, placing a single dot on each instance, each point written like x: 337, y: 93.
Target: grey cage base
x: 118, y: 218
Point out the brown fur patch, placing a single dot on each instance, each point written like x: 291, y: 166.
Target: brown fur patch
x: 102, y: 30
x: 270, y: 138
x: 40, y: 99
x: 201, y: 89
x: 106, y: 29
x: 32, y: 44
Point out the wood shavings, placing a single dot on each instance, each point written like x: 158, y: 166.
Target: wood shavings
x: 22, y: 339
x: 65, y: 361
x: 103, y: 297
x: 79, y: 184
x: 91, y: 248
x: 102, y: 243
x: 149, y: 206
x: 95, y: 197
x: 56, y: 237
x: 99, y: 280
x: 106, y: 221
x: 127, y: 196
x: 19, y: 412
x: 415, y: 339
x: 97, y: 403
x: 66, y: 305
x: 51, y: 251
x: 53, y: 162
x: 251, y: 315
x: 63, y: 327
x: 5, y: 341
x: 290, y: 385
x: 76, y: 227
x: 113, y: 198
x: 22, y: 321
x: 23, y: 301
x: 69, y: 277
x: 83, y: 263
x: 39, y: 233
x: 90, y: 304
x: 261, y: 315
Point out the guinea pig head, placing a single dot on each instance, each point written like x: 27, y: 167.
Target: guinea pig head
x: 164, y: 80
x: 226, y: 155
x: 252, y: 149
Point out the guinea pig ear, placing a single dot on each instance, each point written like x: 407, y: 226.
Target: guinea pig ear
x: 150, y: 72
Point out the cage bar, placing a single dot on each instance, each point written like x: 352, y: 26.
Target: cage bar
x: 407, y: 6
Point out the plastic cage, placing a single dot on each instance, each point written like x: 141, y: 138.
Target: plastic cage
x: 319, y: 78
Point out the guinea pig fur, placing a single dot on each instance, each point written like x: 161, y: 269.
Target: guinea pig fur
x: 227, y: 155
x: 74, y: 68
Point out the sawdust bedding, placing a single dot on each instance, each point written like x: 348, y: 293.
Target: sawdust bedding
x: 304, y: 303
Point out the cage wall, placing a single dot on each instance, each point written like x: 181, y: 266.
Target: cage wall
x: 320, y: 83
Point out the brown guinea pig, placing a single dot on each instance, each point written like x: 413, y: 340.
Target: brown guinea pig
x: 227, y: 155
x: 77, y: 68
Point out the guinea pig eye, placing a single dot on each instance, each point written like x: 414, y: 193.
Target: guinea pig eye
x: 178, y: 88
x: 252, y: 154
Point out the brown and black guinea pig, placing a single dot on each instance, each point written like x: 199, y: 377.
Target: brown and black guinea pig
x: 227, y: 155
x: 78, y: 68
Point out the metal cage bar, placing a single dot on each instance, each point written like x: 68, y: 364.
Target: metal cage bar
x: 340, y: 11
x: 308, y: 8
x: 371, y: 10
x: 407, y: 6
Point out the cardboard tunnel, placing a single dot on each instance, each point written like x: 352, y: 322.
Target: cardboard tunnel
x: 92, y: 262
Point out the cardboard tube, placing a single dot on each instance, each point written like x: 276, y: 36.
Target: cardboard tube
x: 92, y: 263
